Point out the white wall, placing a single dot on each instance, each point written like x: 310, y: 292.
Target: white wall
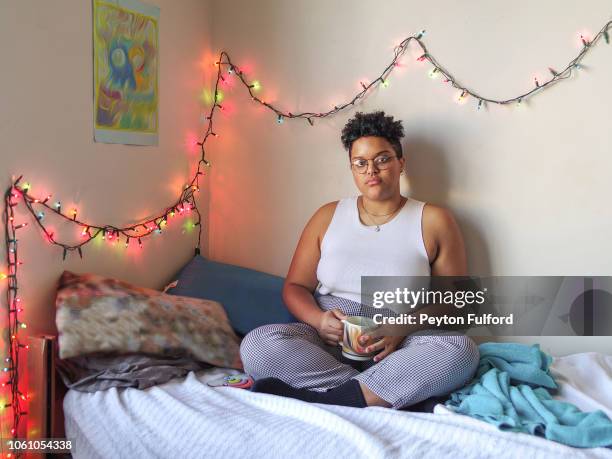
x: 46, y: 127
x: 529, y: 186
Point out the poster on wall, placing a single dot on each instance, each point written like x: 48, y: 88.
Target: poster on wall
x: 126, y: 67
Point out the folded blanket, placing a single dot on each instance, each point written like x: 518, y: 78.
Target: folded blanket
x: 92, y: 373
x: 511, y: 390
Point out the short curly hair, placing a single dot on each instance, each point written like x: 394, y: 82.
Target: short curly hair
x: 373, y: 124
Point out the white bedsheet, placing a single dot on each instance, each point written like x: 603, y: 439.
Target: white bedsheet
x: 585, y: 380
x: 187, y: 419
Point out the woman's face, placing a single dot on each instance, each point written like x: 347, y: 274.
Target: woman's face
x: 377, y: 182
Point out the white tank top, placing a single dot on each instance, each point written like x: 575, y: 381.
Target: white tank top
x: 350, y: 249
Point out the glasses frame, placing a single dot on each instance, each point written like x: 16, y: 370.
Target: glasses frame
x: 374, y: 165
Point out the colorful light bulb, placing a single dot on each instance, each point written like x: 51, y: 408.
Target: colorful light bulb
x: 584, y: 41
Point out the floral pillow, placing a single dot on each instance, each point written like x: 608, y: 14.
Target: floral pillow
x: 95, y: 314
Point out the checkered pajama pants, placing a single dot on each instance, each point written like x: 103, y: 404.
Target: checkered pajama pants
x: 424, y: 365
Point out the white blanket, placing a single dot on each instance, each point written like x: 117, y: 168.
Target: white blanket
x: 188, y: 419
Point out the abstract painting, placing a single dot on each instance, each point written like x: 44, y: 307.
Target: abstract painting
x: 126, y: 62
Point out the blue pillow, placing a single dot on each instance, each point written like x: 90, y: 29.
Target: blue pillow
x: 250, y: 298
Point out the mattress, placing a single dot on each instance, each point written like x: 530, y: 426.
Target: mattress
x: 186, y: 418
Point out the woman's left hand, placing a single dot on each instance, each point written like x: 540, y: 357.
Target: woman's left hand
x: 374, y: 343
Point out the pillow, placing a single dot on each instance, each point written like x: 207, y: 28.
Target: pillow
x: 100, y: 315
x: 250, y: 298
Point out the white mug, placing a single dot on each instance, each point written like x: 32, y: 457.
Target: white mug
x: 354, y: 327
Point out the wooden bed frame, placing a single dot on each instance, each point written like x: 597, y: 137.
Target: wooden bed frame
x: 45, y: 408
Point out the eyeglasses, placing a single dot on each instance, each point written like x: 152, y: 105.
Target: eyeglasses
x: 381, y: 162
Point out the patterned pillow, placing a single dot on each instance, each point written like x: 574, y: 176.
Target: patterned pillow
x: 95, y: 314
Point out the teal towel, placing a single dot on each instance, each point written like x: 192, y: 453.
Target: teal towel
x: 511, y: 391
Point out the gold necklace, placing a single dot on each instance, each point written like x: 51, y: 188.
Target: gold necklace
x: 377, y: 225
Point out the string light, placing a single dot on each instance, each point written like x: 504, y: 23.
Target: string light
x: 462, y: 96
x: 584, y: 40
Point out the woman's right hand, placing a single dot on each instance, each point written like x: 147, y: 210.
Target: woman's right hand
x: 330, y: 328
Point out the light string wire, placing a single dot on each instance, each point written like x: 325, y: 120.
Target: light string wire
x: 12, y: 301
x: 187, y: 202
x: 574, y: 64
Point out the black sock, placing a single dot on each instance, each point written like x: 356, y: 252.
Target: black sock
x: 347, y: 394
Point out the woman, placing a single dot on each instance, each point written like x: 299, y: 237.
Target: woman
x: 379, y: 232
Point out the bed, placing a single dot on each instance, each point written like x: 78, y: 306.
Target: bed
x: 186, y: 418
